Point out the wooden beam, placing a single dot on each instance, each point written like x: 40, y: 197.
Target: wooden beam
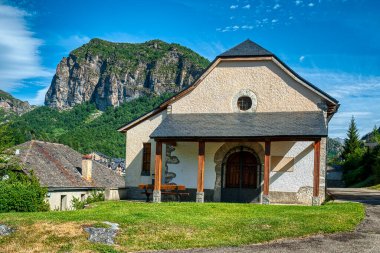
x: 234, y: 139
x: 317, y: 167
x: 266, y: 168
x: 158, y: 166
x: 171, y: 143
x: 201, y: 166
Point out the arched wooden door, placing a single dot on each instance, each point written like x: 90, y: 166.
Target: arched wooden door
x: 241, y: 172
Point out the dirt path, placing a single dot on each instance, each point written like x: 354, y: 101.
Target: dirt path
x: 365, y: 239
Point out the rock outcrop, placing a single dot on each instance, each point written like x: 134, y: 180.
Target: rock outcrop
x: 108, y: 73
x: 9, y: 104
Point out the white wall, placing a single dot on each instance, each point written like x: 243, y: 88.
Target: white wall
x: 187, y: 169
x: 135, y: 138
x: 302, y: 174
x: 54, y: 197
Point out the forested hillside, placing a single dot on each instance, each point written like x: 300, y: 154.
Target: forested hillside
x: 83, y: 128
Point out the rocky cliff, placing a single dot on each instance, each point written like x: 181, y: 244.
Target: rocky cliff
x: 108, y: 73
x: 11, y: 105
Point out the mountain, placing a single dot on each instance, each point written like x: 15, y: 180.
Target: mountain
x: 10, y: 106
x: 369, y: 136
x: 334, y: 147
x: 108, y: 74
x: 83, y: 127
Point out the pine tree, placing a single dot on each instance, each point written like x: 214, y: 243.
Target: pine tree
x: 375, y: 135
x: 352, y: 142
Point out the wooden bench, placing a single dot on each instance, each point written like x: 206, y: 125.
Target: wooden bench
x: 166, y: 189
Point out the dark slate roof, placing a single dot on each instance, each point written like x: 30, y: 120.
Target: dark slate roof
x: 57, y: 165
x: 241, y: 125
x: 247, y: 48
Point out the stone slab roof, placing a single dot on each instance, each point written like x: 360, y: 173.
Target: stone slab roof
x: 242, y: 125
x: 247, y: 48
x: 57, y: 165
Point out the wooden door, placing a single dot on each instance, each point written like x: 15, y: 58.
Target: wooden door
x: 241, y: 172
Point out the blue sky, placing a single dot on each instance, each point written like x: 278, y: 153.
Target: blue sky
x: 333, y: 44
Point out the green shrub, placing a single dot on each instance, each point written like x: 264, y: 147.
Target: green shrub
x: 95, y: 196
x: 77, y: 204
x: 21, y: 193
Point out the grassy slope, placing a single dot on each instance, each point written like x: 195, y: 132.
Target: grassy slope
x: 176, y: 225
x: 375, y: 187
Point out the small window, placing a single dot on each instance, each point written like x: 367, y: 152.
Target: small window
x: 146, y: 159
x: 244, y: 103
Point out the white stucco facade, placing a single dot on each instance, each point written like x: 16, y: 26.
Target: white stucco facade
x: 273, y: 90
x: 61, y: 200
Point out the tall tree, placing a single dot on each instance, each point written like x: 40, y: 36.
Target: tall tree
x: 352, y: 142
x: 375, y: 135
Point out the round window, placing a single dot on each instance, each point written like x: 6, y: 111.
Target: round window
x: 244, y: 103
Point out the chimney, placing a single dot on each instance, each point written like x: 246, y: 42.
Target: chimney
x: 87, y: 167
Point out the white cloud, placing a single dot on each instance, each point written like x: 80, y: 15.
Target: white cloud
x: 234, y: 6
x: 39, y: 99
x: 247, y: 27
x: 302, y: 58
x: 276, y: 6
x: 356, y: 94
x: 310, y: 4
x: 73, y: 42
x: 18, y: 49
x: 298, y: 2
x: 247, y: 6
x: 274, y: 20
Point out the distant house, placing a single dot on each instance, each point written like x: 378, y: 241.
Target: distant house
x: 100, y: 157
x: 68, y: 174
x: 116, y: 164
x: 249, y: 129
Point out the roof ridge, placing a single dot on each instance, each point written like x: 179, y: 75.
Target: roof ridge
x: 247, y: 48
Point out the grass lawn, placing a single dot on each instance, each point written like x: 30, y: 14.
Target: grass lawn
x: 148, y: 226
x: 375, y: 187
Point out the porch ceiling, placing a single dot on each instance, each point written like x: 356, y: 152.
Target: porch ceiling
x: 242, y: 125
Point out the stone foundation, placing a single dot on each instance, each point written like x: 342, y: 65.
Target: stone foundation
x: 157, y: 196
x: 200, y: 198
x: 265, y: 200
x: 302, y: 197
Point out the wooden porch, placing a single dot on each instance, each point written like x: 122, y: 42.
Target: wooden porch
x: 265, y: 197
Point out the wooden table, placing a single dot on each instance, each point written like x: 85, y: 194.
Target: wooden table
x: 166, y: 189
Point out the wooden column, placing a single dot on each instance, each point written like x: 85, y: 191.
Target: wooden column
x: 201, y: 171
x: 317, y: 166
x: 266, y: 173
x: 157, y: 172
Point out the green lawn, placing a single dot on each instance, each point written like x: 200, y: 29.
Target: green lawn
x: 148, y: 226
x: 375, y: 187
